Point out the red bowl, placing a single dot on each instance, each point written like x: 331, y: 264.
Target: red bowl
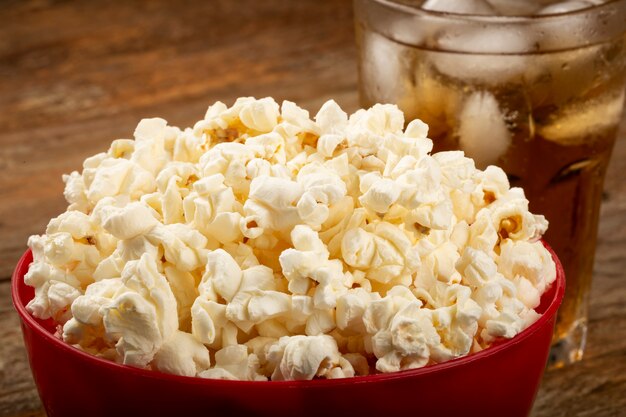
x: 499, y: 381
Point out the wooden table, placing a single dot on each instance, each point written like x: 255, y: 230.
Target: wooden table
x: 75, y: 75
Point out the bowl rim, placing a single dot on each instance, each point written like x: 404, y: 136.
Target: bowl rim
x: 17, y: 281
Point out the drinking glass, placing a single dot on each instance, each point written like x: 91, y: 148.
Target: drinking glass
x: 534, y: 87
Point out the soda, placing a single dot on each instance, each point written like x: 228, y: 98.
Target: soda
x: 546, y: 113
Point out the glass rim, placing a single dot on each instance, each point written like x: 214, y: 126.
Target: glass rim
x: 448, y: 32
x: 482, y: 18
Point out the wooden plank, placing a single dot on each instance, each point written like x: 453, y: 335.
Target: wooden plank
x: 594, y: 387
x: 18, y: 395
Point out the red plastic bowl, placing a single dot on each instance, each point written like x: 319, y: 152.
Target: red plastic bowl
x: 499, y: 381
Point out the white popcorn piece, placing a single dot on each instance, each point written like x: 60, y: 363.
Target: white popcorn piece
x: 59, y: 257
x: 75, y: 192
x: 273, y: 202
x: 306, y: 357
x: 126, y: 250
x: 149, y: 152
x: 331, y: 119
x: 260, y: 115
x: 350, y: 309
x: 182, y: 354
x: 323, y: 188
x: 271, y: 147
x: 119, y: 177
x: 380, y: 195
x: 266, y: 305
x: 319, y: 322
x: 132, y: 220
x: 208, y: 318
x: 308, y: 263
x: 186, y: 146
x: 296, y: 116
x: 53, y: 300
x: 383, y: 251
x: 89, y: 308
x: 229, y: 159
x: 288, y: 248
x: 223, y: 273
x: 327, y: 144
x: 273, y: 328
x: 182, y: 246
x: 256, y: 300
x: 86, y: 327
x: 531, y: 264
x: 183, y: 286
x: 77, y: 224
x: 142, y: 317
x: 243, y: 254
x: 234, y: 363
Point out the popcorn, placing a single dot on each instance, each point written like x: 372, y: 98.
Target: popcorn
x: 182, y: 354
x: 53, y: 300
x: 264, y: 305
x: 272, y: 203
x: 222, y: 275
x: 308, y: 263
x: 323, y: 188
x: 287, y: 248
x: 383, y: 251
x: 260, y: 115
x: 149, y: 152
x: 75, y: 192
x: 208, y: 318
x: 143, y: 315
x: 305, y: 357
x: 182, y: 245
x: 350, y: 309
x: 60, y: 257
x: 132, y: 220
x: 119, y: 177
x: 183, y: 285
x: 379, y: 193
x: 234, y: 363
x: 525, y: 262
x: 331, y: 119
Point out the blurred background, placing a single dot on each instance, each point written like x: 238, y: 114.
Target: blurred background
x: 74, y: 75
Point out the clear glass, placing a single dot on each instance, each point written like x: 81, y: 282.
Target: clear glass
x: 540, y: 96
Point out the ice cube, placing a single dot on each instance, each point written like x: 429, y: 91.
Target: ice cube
x: 484, y: 55
x: 483, y: 132
x: 566, y: 7
x: 486, y: 40
x: 515, y: 7
x: 573, y: 25
x: 575, y: 124
x: 384, y: 68
x: 575, y: 65
x: 476, y: 7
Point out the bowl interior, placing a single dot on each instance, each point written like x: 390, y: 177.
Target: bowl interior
x: 22, y: 294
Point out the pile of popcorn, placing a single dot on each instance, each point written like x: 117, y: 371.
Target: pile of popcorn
x: 261, y: 244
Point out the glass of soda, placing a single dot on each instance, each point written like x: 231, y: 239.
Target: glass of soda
x: 535, y: 87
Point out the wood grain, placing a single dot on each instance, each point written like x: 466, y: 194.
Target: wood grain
x: 75, y: 75
x: 17, y: 391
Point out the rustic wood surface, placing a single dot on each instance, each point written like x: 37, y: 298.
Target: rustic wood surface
x: 75, y: 75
